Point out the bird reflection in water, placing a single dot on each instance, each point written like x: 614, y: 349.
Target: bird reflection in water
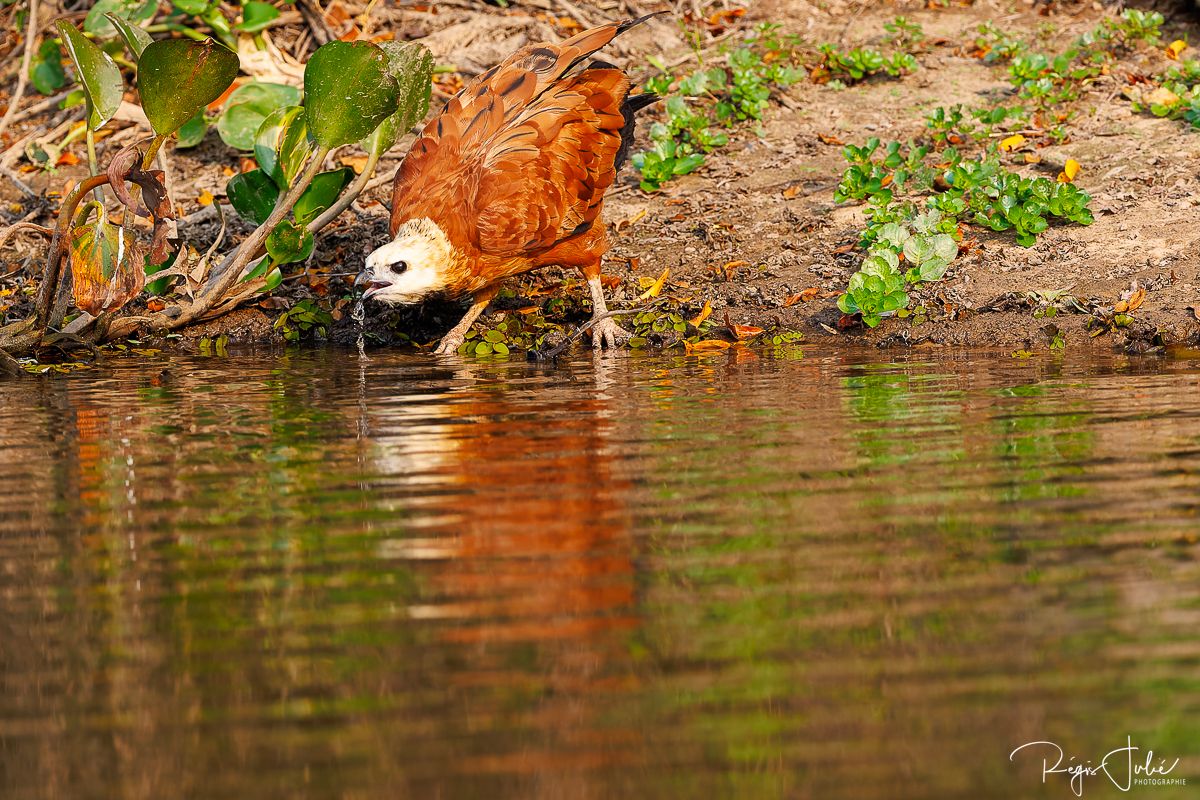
x: 529, y: 554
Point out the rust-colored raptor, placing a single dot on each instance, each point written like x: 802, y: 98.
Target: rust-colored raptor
x: 509, y: 177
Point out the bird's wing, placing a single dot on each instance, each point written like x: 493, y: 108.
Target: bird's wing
x: 542, y: 179
x: 516, y: 102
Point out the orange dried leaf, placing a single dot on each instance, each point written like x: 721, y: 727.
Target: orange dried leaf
x: 357, y: 163
x: 703, y: 315
x: 803, y: 297
x: 205, y: 198
x: 828, y: 139
x: 707, y: 346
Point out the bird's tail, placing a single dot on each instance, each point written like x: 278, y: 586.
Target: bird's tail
x: 632, y: 104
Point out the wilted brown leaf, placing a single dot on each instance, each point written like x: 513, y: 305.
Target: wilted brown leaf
x: 703, y: 315
x: 108, y: 269
x: 803, y: 297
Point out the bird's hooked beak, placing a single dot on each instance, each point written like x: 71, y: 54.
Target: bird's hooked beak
x: 367, y: 278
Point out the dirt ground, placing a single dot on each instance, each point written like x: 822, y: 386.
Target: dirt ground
x: 765, y: 203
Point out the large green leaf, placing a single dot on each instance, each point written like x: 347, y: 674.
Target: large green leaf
x: 256, y: 15
x: 178, y: 77
x: 411, y: 64
x: 348, y: 91
x: 321, y: 194
x: 99, y: 76
x: 98, y: 22
x: 135, y: 38
x: 253, y: 195
x: 289, y: 242
x: 281, y: 145
x: 46, y: 71
x: 248, y: 106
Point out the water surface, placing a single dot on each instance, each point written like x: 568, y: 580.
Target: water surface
x: 790, y: 575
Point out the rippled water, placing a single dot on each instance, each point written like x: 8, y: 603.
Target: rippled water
x: 791, y: 575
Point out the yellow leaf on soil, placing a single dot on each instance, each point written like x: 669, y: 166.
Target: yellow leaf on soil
x: 656, y: 287
x: 1175, y: 48
x: 1070, y: 170
x: 1161, y: 97
x: 1012, y: 142
x: 205, y: 198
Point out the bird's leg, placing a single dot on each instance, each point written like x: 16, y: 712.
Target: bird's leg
x: 605, y: 332
x: 458, y: 334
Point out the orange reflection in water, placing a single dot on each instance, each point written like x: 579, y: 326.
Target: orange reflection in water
x: 530, y: 551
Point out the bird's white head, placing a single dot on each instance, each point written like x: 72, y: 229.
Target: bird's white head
x: 414, y: 265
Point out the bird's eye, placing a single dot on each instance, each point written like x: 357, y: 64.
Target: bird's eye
x: 400, y: 267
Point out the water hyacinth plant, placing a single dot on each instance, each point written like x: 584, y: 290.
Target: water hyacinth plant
x: 354, y: 92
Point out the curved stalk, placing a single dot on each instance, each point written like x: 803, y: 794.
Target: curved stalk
x: 52, y: 272
x: 230, y: 270
x: 349, y: 196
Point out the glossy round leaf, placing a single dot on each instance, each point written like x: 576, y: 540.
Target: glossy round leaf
x: 348, y: 92
x: 99, y: 17
x: 253, y: 195
x: 281, y: 144
x: 321, y: 194
x: 248, y: 107
x: 178, y: 77
x: 135, y: 38
x: 289, y: 242
x: 99, y: 76
x: 46, y: 71
x: 193, y: 7
x: 411, y: 64
x: 256, y: 15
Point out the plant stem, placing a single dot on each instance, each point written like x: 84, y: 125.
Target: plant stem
x: 230, y: 270
x: 91, y: 153
x: 152, y: 151
x: 349, y: 196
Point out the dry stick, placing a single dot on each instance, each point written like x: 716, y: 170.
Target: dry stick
x: 8, y: 232
x: 40, y: 106
x: 23, y: 75
x: 9, y: 366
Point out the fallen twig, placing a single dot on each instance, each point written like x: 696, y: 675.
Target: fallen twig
x: 23, y: 75
x: 9, y: 365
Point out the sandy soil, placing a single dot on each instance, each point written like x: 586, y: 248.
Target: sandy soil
x: 767, y: 199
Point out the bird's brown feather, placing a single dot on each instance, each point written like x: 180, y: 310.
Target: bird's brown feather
x: 515, y: 168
